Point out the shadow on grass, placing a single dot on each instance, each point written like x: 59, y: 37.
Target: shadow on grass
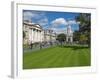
x: 75, y: 47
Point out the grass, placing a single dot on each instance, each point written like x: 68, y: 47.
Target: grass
x: 65, y: 56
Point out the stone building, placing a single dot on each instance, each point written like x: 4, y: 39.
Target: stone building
x: 49, y: 35
x: 69, y: 35
x: 35, y: 33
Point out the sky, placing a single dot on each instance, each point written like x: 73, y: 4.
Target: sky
x: 57, y: 21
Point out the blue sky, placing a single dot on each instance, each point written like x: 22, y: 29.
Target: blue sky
x: 57, y: 21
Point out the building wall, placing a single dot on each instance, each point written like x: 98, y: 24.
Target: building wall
x: 49, y: 36
x: 34, y: 33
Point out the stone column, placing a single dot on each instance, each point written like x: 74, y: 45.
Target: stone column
x: 33, y: 35
x: 37, y: 36
x: 71, y: 39
x: 30, y: 35
x: 40, y: 36
x: 66, y: 38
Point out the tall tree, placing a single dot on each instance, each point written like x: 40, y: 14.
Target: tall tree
x: 76, y: 36
x: 61, y: 38
x: 84, y: 26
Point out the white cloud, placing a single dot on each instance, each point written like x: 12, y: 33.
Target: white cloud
x: 28, y: 15
x: 59, y: 21
x: 62, y: 21
x: 36, y: 17
x: 72, y: 22
x: 43, y: 21
x: 59, y: 30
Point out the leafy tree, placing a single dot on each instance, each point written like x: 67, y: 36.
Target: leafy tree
x: 61, y: 38
x: 84, y: 27
x: 76, y: 36
x: 83, y: 39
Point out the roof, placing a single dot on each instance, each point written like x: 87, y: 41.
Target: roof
x: 32, y: 24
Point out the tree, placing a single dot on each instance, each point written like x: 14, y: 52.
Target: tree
x: 61, y: 38
x: 84, y: 26
x: 83, y: 39
x: 76, y: 36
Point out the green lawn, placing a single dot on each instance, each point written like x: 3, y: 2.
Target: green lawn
x: 66, y: 56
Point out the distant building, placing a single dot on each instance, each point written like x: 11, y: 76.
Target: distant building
x: 49, y: 35
x: 69, y: 35
x: 35, y: 33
